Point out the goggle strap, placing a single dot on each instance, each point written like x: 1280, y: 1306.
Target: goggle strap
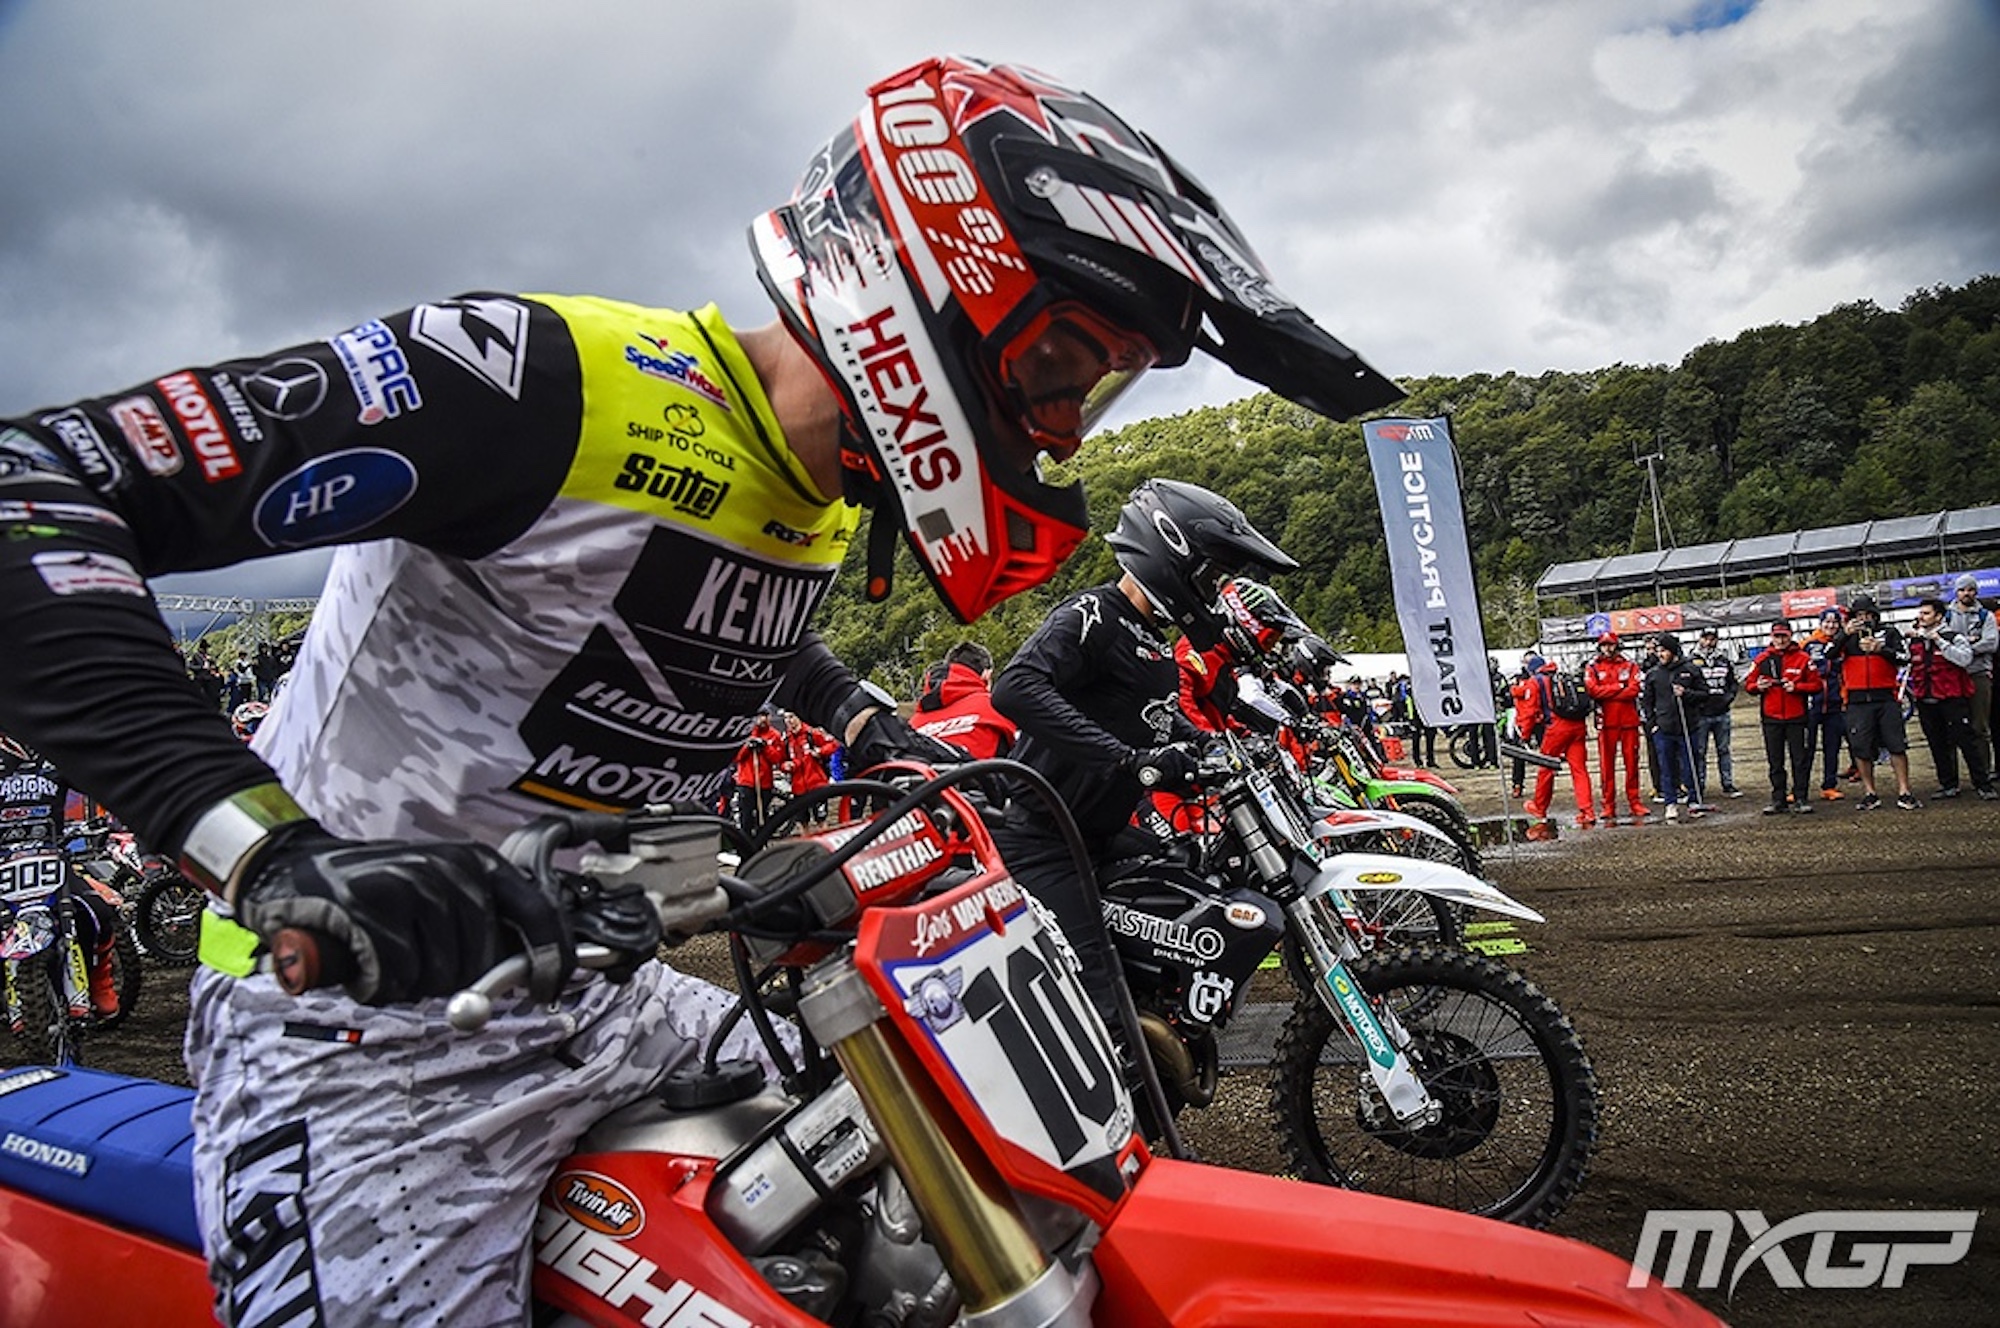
x: 882, y: 533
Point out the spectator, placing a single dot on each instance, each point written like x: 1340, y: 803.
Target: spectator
x: 1826, y: 714
x: 758, y: 761
x: 242, y: 681
x: 1563, y: 735
x: 807, y: 749
x: 1870, y: 652
x: 1423, y: 738
x: 1529, y: 719
x: 1672, y: 692
x: 1974, y: 624
x: 1612, y: 683
x: 1710, y: 720
x: 1783, y: 678
x: 959, y: 709
x: 1941, y: 685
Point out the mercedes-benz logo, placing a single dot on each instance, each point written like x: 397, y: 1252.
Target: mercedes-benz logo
x: 287, y: 390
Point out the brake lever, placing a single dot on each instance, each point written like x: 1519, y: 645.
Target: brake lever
x: 470, y: 1010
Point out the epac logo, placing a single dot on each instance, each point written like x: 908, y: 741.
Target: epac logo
x: 1866, y: 1263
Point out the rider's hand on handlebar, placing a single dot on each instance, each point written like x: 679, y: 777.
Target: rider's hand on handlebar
x: 418, y: 919
x: 887, y: 736
x: 1170, y: 767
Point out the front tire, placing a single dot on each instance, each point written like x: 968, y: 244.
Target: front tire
x: 167, y: 918
x: 1520, y: 1098
x: 48, y: 1034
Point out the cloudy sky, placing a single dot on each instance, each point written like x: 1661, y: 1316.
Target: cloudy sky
x: 1449, y: 186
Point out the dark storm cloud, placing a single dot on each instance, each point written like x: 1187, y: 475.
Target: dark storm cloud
x: 1914, y: 160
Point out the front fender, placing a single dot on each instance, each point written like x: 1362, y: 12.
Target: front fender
x: 1196, y: 1246
x: 1360, y: 873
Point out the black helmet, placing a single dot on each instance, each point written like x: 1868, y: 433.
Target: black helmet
x: 1180, y: 542
x: 1862, y: 604
x: 980, y: 263
x: 1255, y: 620
x: 1311, y: 655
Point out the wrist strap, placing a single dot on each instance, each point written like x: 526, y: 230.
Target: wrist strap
x: 228, y: 835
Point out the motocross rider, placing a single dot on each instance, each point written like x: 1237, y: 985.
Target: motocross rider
x: 1097, y: 696
x: 594, y: 535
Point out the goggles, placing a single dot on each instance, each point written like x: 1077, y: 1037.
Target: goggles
x: 1060, y: 373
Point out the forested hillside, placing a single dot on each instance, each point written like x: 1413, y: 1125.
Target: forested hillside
x: 1860, y: 413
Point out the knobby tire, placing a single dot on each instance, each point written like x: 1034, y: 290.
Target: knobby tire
x: 1521, y: 1098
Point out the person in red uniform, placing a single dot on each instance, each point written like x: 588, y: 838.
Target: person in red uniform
x: 806, y: 752
x: 1612, y: 683
x: 1783, y: 679
x: 1870, y: 652
x: 959, y: 708
x: 1525, y: 692
x: 1566, y: 738
x: 758, y: 761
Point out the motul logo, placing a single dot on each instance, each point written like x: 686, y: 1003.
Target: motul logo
x: 202, y: 425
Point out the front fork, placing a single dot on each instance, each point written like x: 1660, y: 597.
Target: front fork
x: 1005, y: 1277
x: 1372, y: 1025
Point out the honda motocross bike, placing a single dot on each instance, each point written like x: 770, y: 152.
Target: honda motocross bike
x: 1419, y: 1071
x: 954, y: 1144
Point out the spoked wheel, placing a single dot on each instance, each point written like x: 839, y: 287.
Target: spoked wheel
x: 47, y: 1034
x: 1464, y: 747
x: 167, y: 918
x: 1396, y: 919
x: 1462, y: 850
x: 1518, y: 1098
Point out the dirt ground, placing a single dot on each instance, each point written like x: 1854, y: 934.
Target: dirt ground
x: 1787, y: 1014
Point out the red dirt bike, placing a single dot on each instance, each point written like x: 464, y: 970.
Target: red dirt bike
x: 945, y: 1035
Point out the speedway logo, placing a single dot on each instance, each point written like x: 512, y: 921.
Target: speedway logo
x: 1940, y: 1237
x: 675, y: 366
x: 619, y: 1276
x: 55, y: 1158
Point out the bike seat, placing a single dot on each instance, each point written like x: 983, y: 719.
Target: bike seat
x: 116, y: 1148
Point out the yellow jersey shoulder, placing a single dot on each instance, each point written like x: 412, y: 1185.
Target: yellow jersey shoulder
x: 676, y: 427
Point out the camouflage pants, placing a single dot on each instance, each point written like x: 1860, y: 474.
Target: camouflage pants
x: 357, y: 1164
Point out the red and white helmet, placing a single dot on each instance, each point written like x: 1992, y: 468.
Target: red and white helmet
x: 981, y: 263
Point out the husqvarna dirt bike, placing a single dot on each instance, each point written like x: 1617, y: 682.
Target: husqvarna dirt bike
x: 956, y: 1145
x: 1424, y: 1071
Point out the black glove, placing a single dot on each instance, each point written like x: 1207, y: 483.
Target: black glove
x: 885, y: 735
x: 1171, y: 767
x: 419, y: 919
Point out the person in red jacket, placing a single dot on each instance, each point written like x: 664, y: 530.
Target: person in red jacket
x: 807, y: 750
x: 1941, y: 683
x: 1870, y: 652
x: 1566, y: 738
x: 959, y: 709
x: 1525, y: 692
x: 1782, y: 680
x: 1612, y: 683
x: 758, y: 761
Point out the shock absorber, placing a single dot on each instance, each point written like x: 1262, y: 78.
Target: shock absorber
x: 1002, y: 1272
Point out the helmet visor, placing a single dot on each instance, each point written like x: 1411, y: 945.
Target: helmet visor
x: 1061, y: 372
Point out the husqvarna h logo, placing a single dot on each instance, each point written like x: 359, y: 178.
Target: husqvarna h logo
x: 1863, y: 1259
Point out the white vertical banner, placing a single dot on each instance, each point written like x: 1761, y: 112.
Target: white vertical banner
x: 1430, y: 568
